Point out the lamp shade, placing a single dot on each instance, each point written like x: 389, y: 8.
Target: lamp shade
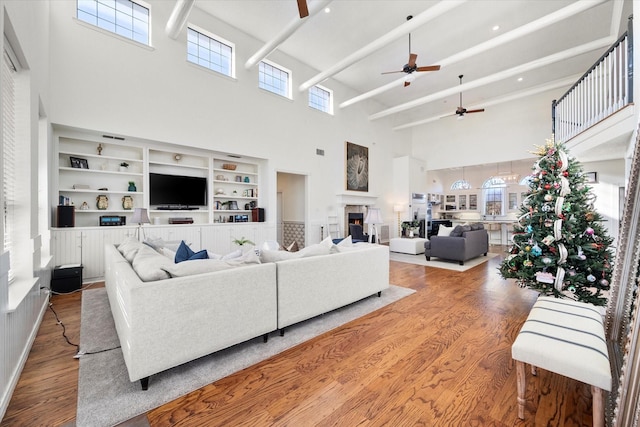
x: 398, y: 208
x: 373, y: 216
x: 140, y: 216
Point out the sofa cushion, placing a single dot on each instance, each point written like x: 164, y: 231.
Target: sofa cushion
x: 201, y: 266
x: 129, y: 248
x: 458, y: 230
x: 149, y: 264
x: 444, y: 231
x: 185, y: 253
x: 155, y: 243
x: 347, y: 241
x: 477, y: 226
x: 275, y: 256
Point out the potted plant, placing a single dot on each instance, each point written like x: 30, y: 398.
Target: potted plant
x: 124, y: 166
x: 413, y: 227
x: 241, y: 241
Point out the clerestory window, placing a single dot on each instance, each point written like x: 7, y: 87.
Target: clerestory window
x: 274, y: 78
x: 321, y: 99
x: 210, y: 51
x: 123, y: 17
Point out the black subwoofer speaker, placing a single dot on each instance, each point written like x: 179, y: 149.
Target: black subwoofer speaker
x: 66, y: 216
x: 257, y: 215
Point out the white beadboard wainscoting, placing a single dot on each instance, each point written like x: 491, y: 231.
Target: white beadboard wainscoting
x: 19, y: 324
x: 86, y: 245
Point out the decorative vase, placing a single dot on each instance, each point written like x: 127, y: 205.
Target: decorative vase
x: 132, y: 187
x: 411, y: 232
x: 123, y: 169
x: 102, y: 202
x: 127, y: 203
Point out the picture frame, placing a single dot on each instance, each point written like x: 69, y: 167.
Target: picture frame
x: 356, y: 167
x: 238, y: 178
x: 78, y: 163
x: 592, y: 177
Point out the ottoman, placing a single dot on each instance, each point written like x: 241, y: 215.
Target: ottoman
x: 413, y: 246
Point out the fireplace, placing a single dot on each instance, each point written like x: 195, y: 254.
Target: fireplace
x: 352, y: 209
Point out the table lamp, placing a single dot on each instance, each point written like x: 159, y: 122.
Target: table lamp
x: 140, y: 217
x: 398, y: 209
x: 374, y: 217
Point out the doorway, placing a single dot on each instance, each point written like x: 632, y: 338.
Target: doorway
x: 292, y: 209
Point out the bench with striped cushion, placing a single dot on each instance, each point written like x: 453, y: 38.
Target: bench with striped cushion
x: 565, y: 337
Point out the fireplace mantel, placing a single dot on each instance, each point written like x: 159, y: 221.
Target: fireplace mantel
x: 345, y: 199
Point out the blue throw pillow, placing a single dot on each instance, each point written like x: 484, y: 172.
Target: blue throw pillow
x: 185, y: 253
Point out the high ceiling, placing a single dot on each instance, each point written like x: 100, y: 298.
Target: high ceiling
x: 545, y: 43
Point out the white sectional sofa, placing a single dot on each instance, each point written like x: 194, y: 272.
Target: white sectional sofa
x: 315, y: 285
x: 165, y: 322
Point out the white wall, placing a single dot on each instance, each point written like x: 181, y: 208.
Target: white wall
x: 103, y: 83
x: 25, y: 25
x: 502, y: 133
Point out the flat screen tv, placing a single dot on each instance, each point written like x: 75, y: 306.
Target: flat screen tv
x: 177, y: 191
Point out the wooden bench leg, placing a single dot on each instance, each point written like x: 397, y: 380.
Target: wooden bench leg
x: 598, y: 406
x: 522, y: 387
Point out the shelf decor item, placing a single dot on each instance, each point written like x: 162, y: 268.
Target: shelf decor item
x: 124, y: 166
x: 246, y: 179
x: 127, y: 203
x: 102, y: 202
x: 229, y: 166
x: 132, y: 186
x: 78, y: 163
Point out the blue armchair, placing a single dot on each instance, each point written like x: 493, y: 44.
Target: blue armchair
x: 357, y: 235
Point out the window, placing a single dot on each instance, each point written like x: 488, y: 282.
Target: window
x: 8, y: 155
x: 494, y: 194
x: 321, y: 99
x: 206, y: 51
x: 274, y: 79
x: 461, y: 184
x: 122, y: 17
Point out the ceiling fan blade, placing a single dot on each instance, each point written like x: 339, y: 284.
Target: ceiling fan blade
x: 479, y: 110
x: 392, y: 72
x: 429, y: 68
x: 303, y: 9
x: 412, y: 60
x: 406, y: 83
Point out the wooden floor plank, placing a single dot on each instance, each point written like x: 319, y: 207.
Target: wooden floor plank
x: 440, y: 357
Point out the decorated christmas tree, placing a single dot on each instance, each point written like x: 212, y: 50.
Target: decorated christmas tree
x: 560, y: 246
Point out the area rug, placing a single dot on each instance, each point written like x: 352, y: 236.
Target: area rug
x: 106, y: 396
x: 439, y: 263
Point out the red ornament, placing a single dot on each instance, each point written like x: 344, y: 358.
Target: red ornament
x: 547, y: 186
x: 565, y: 173
x: 543, y: 172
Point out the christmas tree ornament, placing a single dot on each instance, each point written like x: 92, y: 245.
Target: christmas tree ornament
x: 548, y: 240
x: 589, y: 216
x: 527, y: 263
x: 544, y: 277
x: 547, y: 186
x: 572, y: 289
x: 548, y: 222
x: 548, y: 197
x: 546, y: 208
x: 571, y: 272
x: 527, y: 248
x: 546, y: 260
x: 581, y: 256
x: 589, y: 231
x: 536, y: 251
x: 604, y: 283
x: 591, y: 278
x: 565, y: 174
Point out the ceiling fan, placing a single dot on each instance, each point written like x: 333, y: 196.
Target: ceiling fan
x: 303, y: 9
x: 411, y: 66
x: 461, y: 111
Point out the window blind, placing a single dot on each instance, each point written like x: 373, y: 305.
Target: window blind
x: 8, y: 153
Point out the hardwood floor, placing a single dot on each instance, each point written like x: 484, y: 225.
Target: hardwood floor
x: 440, y: 357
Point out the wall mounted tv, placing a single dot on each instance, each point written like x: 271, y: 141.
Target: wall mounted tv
x: 177, y: 191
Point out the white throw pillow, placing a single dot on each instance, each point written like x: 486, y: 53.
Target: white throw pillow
x: 444, y: 231
x: 347, y: 241
x: 275, y: 256
x: 196, y: 266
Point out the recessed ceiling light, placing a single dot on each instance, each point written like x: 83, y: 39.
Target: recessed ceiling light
x: 520, y: 79
x: 496, y: 27
x: 327, y: 9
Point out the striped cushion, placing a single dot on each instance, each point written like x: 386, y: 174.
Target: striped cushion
x: 565, y: 337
